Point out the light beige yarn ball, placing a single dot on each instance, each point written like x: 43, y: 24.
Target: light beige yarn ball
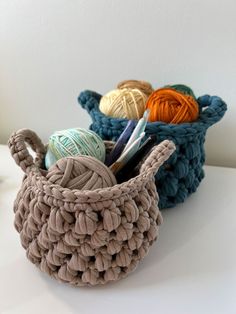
x: 123, y: 103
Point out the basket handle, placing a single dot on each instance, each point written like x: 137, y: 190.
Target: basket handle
x: 17, y: 145
x: 215, y: 110
x: 89, y: 100
x: 160, y: 153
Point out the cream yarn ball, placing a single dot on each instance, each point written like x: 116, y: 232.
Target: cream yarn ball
x: 123, y: 103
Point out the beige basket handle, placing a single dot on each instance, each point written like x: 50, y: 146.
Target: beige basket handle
x: 158, y: 156
x: 20, y: 153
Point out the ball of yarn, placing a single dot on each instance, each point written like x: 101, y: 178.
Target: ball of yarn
x: 123, y: 103
x: 171, y: 106
x: 81, y: 173
x: 73, y: 142
x: 183, y: 89
x: 145, y: 87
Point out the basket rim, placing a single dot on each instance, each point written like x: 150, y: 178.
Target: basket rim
x: 42, y: 187
x: 89, y: 100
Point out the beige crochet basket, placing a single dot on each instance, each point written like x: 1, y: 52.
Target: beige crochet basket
x: 85, y: 237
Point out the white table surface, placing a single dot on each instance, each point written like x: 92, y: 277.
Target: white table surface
x: 190, y: 269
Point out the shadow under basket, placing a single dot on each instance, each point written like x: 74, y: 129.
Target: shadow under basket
x: 85, y: 237
x: 182, y: 173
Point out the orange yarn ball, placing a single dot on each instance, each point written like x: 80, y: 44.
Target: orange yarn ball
x: 171, y: 106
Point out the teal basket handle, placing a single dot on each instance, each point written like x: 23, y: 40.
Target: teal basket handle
x: 212, y: 109
x: 89, y: 100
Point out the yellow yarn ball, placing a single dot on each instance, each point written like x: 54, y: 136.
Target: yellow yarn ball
x: 123, y: 103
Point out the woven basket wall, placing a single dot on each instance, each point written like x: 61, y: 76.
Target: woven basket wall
x: 85, y: 237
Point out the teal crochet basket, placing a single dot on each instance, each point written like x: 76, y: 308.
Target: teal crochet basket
x: 182, y: 173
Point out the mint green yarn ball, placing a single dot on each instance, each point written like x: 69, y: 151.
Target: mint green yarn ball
x: 74, y: 142
x: 50, y: 159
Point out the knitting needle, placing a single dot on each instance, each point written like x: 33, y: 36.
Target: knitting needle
x: 119, y: 146
x: 124, y: 158
x: 140, y: 127
x: 125, y: 173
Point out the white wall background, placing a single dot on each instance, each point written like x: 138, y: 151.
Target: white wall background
x: 50, y: 50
